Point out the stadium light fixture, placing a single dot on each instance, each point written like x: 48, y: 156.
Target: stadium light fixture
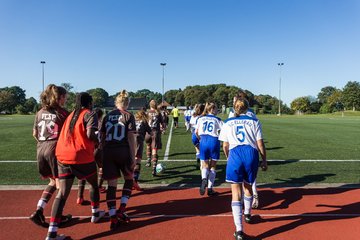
x: 280, y: 66
x: 43, y: 81
x: 163, y: 75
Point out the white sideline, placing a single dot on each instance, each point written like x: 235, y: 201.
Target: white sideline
x: 167, y: 150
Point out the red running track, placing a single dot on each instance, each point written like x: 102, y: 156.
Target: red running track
x: 286, y: 213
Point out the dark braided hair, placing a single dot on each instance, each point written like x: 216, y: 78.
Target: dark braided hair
x: 83, y: 100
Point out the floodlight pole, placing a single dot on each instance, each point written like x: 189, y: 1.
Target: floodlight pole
x: 163, y: 74
x: 43, y: 81
x: 280, y: 66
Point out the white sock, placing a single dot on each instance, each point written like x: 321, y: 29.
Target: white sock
x: 212, y: 175
x: 253, y: 186
x: 247, y: 204
x: 204, y: 173
x: 236, y: 211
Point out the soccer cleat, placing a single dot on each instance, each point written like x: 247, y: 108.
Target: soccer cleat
x: 148, y: 162
x: 247, y: 218
x: 65, y: 219
x: 154, y: 172
x: 100, y: 214
x: 203, y: 186
x: 255, y: 203
x: 102, y: 189
x: 123, y: 216
x: 80, y: 200
x: 58, y: 237
x: 38, y: 218
x: 239, y: 235
x: 211, y: 192
x: 114, y: 223
x: 136, y: 186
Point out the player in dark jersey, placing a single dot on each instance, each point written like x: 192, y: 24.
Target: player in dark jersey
x: 75, y: 154
x: 47, y: 125
x: 142, y: 127
x: 153, y: 140
x: 118, y: 145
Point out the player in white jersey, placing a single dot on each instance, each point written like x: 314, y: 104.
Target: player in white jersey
x: 207, y: 130
x: 242, y: 95
x: 243, y: 141
x: 198, y: 109
x: 187, y: 116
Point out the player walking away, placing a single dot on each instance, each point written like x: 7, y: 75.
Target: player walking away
x: 153, y: 140
x: 242, y: 95
x: 243, y: 141
x: 75, y: 154
x: 207, y: 130
x: 118, y: 144
x: 47, y: 126
x: 175, y: 113
x: 187, y: 116
x: 142, y: 127
x: 99, y: 162
x: 198, y: 110
x: 165, y: 116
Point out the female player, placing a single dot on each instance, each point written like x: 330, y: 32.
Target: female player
x: 243, y: 141
x: 99, y: 162
x: 118, y: 144
x: 142, y: 127
x: 47, y: 126
x: 207, y: 130
x: 198, y: 109
x: 153, y: 140
x: 75, y: 154
x: 242, y: 95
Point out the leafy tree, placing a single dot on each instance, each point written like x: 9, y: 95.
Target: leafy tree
x: 179, y: 99
x: 221, y: 96
x: 7, y: 101
x: 351, y: 95
x: 301, y: 104
x: 170, y: 96
x: 335, y: 101
x: 15, y: 97
x: 324, y: 93
x: 99, y: 95
x: 71, y: 96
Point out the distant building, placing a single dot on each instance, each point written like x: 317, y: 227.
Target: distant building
x: 137, y: 103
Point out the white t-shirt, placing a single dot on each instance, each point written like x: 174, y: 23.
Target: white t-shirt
x: 250, y: 113
x: 241, y: 130
x: 209, y: 125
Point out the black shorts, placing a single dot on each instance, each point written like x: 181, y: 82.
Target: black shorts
x: 81, y: 171
x: 46, y: 159
x: 117, y: 160
x: 154, y: 139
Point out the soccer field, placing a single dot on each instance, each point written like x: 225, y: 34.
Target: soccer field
x: 300, y: 149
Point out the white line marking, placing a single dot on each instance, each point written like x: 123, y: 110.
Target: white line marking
x: 166, y: 156
x: 212, y: 215
x: 167, y: 150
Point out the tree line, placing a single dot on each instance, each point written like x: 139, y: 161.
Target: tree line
x: 329, y: 99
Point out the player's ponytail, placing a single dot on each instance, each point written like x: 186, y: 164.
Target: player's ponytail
x: 83, y: 100
x: 210, y: 107
x: 241, y: 106
x: 122, y: 99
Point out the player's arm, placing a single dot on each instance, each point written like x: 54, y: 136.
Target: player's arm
x: 226, y: 149
x: 262, y: 150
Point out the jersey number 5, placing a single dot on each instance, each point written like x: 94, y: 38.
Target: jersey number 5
x: 240, y: 133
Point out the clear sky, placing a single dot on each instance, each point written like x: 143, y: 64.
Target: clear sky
x: 119, y: 44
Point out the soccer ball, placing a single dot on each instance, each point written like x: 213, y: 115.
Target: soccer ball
x: 160, y: 168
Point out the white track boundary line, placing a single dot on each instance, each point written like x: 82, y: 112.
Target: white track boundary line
x: 166, y: 156
x: 212, y: 215
x: 167, y: 150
